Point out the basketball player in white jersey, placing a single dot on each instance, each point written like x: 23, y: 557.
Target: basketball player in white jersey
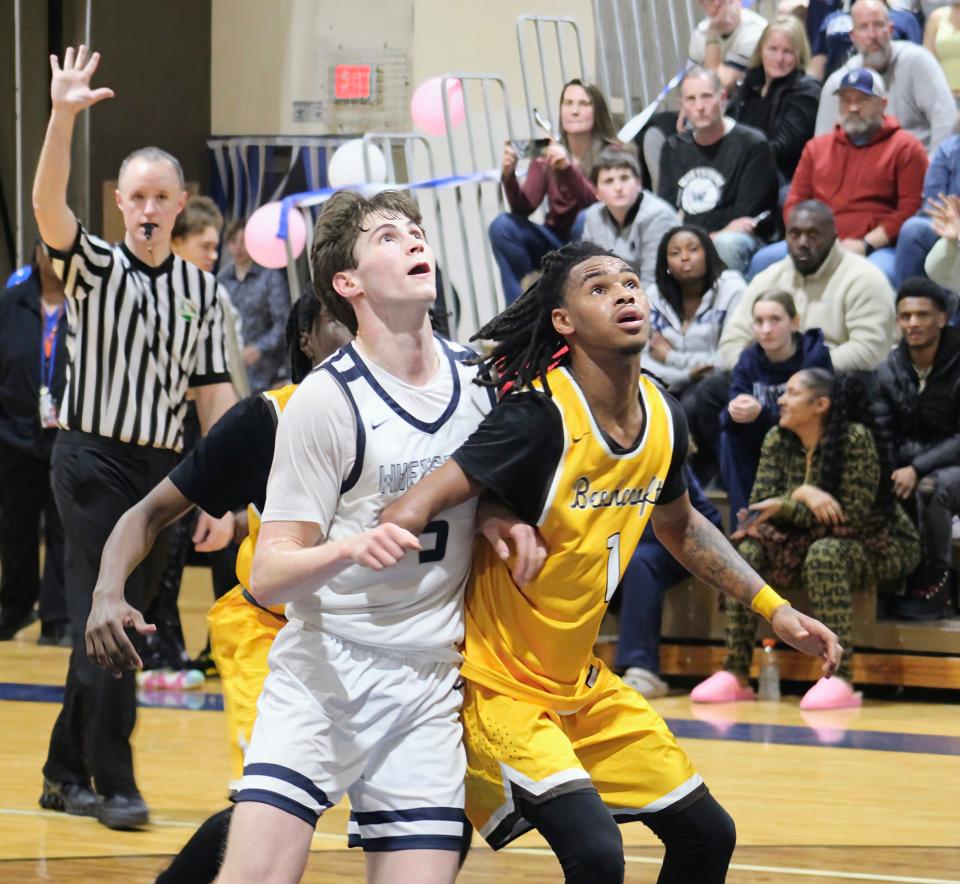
x: 362, y: 697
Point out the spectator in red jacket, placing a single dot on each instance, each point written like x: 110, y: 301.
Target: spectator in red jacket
x: 868, y: 170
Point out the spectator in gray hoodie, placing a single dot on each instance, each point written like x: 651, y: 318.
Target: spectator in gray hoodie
x: 628, y: 220
x: 693, y: 295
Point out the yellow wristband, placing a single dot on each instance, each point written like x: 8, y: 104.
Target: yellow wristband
x: 766, y: 601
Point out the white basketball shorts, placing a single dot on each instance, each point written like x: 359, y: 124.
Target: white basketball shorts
x: 336, y: 717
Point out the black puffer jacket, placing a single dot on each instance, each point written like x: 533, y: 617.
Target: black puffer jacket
x: 921, y: 429
x: 787, y: 114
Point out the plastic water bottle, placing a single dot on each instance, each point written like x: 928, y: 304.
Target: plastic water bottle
x: 769, y: 672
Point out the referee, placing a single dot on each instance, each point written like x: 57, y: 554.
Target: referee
x: 143, y: 327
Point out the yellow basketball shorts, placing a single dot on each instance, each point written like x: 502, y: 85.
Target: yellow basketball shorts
x: 241, y: 635
x: 618, y: 743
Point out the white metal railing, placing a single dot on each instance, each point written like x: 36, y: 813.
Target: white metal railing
x: 641, y: 44
x: 568, y: 59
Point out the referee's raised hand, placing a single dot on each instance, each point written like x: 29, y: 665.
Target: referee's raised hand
x: 106, y: 639
x: 70, y: 85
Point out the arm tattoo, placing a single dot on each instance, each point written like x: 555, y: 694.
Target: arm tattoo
x: 708, y: 556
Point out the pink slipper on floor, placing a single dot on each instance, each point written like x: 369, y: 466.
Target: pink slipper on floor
x: 831, y: 693
x: 721, y: 687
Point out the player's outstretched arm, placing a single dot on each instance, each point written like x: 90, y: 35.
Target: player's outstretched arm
x: 70, y: 93
x: 703, y: 550
x: 291, y: 560
x: 442, y: 489
x: 129, y: 543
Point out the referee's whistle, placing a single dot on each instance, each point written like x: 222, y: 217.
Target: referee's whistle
x: 148, y: 228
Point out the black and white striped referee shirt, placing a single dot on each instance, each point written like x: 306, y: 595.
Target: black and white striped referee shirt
x: 138, y: 337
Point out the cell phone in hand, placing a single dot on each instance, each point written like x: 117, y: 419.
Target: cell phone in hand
x: 757, y: 219
x: 748, y: 520
x: 530, y: 148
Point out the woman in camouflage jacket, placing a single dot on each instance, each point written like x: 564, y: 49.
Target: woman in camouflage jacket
x: 821, y: 514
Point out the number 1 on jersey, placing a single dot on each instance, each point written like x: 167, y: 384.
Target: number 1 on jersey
x: 613, y: 565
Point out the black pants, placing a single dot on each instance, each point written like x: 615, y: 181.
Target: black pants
x: 95, y: 480
x: 25, y: 495
x: 938, y: 498
x: 711, y: 397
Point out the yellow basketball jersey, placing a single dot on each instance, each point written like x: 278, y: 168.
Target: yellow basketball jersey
x: 278, y: 399
x: 536, y: 642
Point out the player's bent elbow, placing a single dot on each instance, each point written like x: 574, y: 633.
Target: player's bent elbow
x: 260, y: 594
x: 263, y: 586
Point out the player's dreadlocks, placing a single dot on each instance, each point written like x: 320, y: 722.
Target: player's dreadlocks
x: 303, y: 314
x: 526, y: 341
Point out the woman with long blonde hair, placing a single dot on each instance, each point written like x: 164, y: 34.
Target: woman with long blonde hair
x: 776, y: 96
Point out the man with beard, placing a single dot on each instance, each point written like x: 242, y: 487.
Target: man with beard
x: 868, y: 170
x: 833, y: 289
x: 919, y: 95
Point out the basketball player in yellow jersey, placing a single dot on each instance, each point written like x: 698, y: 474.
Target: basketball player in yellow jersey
x: 588, y: 452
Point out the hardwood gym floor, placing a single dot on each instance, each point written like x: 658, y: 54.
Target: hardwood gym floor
x: 872, y: 795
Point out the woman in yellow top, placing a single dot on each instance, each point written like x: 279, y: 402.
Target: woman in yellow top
x: 588, y: 452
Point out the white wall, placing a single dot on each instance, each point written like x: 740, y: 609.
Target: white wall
x: 267, y: 55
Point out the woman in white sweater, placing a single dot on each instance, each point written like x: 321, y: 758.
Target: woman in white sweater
x: 689, y: 304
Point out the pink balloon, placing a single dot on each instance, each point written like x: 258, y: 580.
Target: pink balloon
x: 263, y: 244
x: 426, y: 106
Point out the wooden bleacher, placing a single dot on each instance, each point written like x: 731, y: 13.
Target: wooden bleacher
x: 889, y: 652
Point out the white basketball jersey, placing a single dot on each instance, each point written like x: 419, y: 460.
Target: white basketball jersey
x: 416, y: 605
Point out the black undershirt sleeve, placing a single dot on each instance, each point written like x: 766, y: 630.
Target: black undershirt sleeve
x: 515, y: 451
x: 229, y: 467
x: 675, y: 485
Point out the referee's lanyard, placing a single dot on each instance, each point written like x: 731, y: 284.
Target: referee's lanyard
x: 48, y: 362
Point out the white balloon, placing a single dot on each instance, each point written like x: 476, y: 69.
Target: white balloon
x: 346, y: 165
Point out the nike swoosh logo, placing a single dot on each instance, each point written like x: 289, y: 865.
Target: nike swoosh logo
x: 576, y: 439
x: 374, y: 426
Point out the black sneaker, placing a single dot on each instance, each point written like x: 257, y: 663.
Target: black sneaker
x: 123, y: 812
x: 11, y: 624
x: 929, y: 601
x: 70, y: 798
x: 160, y: 650
x: 204, y: 662
x: 56, y: 634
